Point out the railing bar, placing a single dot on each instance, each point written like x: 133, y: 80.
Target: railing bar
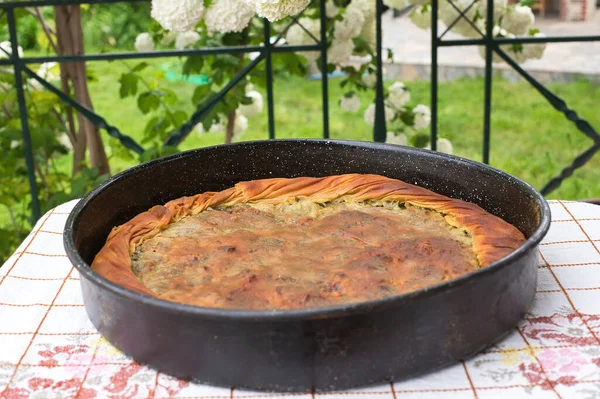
x: 487, y: 101
x: 163, y: 54
x: 434, y: 73
x: 379, y: 128
x: 27, y: 147
x: 269, y: 71
x: 22, y: 4
x: 577, y: 163
x: 324, y: 72
x: 519, y: 40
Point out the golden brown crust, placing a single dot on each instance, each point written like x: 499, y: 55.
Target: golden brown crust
x: 493, y: 238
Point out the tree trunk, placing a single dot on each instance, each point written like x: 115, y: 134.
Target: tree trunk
x: 230, y: 127
x: 69, y: 36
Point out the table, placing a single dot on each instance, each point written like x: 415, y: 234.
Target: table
x: 49, y: 348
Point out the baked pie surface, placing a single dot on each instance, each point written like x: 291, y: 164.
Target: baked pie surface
x: 302, y: 242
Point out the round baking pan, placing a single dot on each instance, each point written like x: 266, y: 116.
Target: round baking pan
x: 323, y: 349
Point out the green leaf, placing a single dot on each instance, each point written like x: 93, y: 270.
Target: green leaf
x: 209, y: 119
x: 246, y: 100
x: 193, y: 65
x: 148, y: 101
x: 419, y: 140
x: 155, y: 128
x: 408, y: 117
x: 361, y: 46
x: 140, y: 67
x: 528, y: 3
x: 168, y: 150
x: 149, y: 155
x: 533, y: 31
x: 129, y: 83
x: 202, y: 94
x: 225, y: 61
x: 179, y: 118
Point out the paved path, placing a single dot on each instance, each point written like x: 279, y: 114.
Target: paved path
x: 412, y: 48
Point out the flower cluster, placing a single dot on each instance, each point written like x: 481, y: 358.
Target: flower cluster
x: 144, y: 42
x: 509, y: 21
x: 228, y: 16
x: 224, y: 15
x: 186, y: 39
x: 178, y: 15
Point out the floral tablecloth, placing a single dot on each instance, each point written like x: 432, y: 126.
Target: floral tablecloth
x: 49, y: 348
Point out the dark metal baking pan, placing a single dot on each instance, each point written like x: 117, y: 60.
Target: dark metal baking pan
x: 325, y: 349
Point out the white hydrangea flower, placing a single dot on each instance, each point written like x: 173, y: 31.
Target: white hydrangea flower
x: 422, y: 116
x: 47, y: 71
x: 254, y: 108
x: 296, y: 36
x: 228, y: 16
x: 499, y: 8
x: 331, y: 10
x: 535, y: 50
x: 369, y: 79
x: 351, y: 103
x: 369, y: 33
x: 240, y: 125
x: 199, y: 128
x: 220, y: 126
x: 518, y: 20
x: 6, y: 49
x: 177, y: 15
x: 339, y: 51
x: 397, y: 4
x: 65, y: 141
x: 186, y: 39
x: 398, y: 95
x: 369, y: 115
x: 349, y: 27
x: 14, y: 144
x: 144, y: 42
x: 443, y: 145
x: 367, y: 7
x: 421, y: 16
x: 168, y: 38
x: 274, y: 10
x: 448, y: 14
x: 398, y: 139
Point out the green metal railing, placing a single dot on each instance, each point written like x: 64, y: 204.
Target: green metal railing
x: 265, y: 53
x: 492, y: 45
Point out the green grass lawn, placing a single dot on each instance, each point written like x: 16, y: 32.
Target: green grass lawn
x: 529, y: 138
